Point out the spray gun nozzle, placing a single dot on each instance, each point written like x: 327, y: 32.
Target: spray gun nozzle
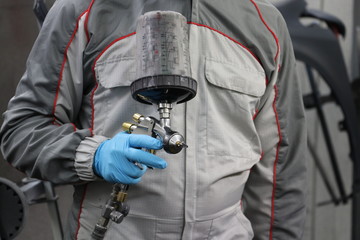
x: 181, y: 144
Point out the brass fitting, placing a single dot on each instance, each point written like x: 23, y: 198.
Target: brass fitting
x: 127, y: 127
x: 121, y: 196
x: 137, y: 117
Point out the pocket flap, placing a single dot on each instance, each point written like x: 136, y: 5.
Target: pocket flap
x: 234, y: 77
x: 116, y: 72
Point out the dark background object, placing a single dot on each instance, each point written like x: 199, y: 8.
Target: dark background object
x: 18, y: 31
x: 13, y: 209
x: 319, y: 48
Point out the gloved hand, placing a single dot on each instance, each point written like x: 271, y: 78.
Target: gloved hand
x: 114, y: 159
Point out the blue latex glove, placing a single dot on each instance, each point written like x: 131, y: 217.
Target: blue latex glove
x: 114, y: 159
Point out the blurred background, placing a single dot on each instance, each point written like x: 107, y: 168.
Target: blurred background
x: 18, y: 31
x: 325, y: 220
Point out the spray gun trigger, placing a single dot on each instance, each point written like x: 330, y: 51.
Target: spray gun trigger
x: 139, y: 165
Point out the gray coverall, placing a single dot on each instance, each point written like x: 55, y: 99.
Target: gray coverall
x: 243, y: 175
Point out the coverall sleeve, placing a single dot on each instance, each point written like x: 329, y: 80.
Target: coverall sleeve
x: 274, y: 197
x: 40, y: 132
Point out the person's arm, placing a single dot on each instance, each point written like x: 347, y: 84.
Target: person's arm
x: 40, y: 132
x: 274, y: 197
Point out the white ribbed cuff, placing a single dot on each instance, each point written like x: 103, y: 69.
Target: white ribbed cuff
x: 84, y: 157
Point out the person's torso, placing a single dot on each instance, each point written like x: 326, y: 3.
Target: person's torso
x: 198, y: 195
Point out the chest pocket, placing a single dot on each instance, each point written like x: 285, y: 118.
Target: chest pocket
x: 234, y: 77
x: 116, y: 72
x: 113, y: 101
x: 233, y: 92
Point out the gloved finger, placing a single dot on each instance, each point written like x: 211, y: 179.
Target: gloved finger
x: 135, y: 180
x: 134, y: 171
x: 144, y: 141
x: 146, y: 158
x: 127, y: 180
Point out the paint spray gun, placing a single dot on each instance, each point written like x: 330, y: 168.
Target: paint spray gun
x: 163, y: 79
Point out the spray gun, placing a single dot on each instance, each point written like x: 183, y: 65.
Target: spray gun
x: 173, y: 141
x: 163, y: 70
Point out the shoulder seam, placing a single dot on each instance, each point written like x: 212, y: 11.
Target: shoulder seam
x: 88, y: 10
x: 269, y: 29
x: 227, y: 36
x: 63, y: 65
